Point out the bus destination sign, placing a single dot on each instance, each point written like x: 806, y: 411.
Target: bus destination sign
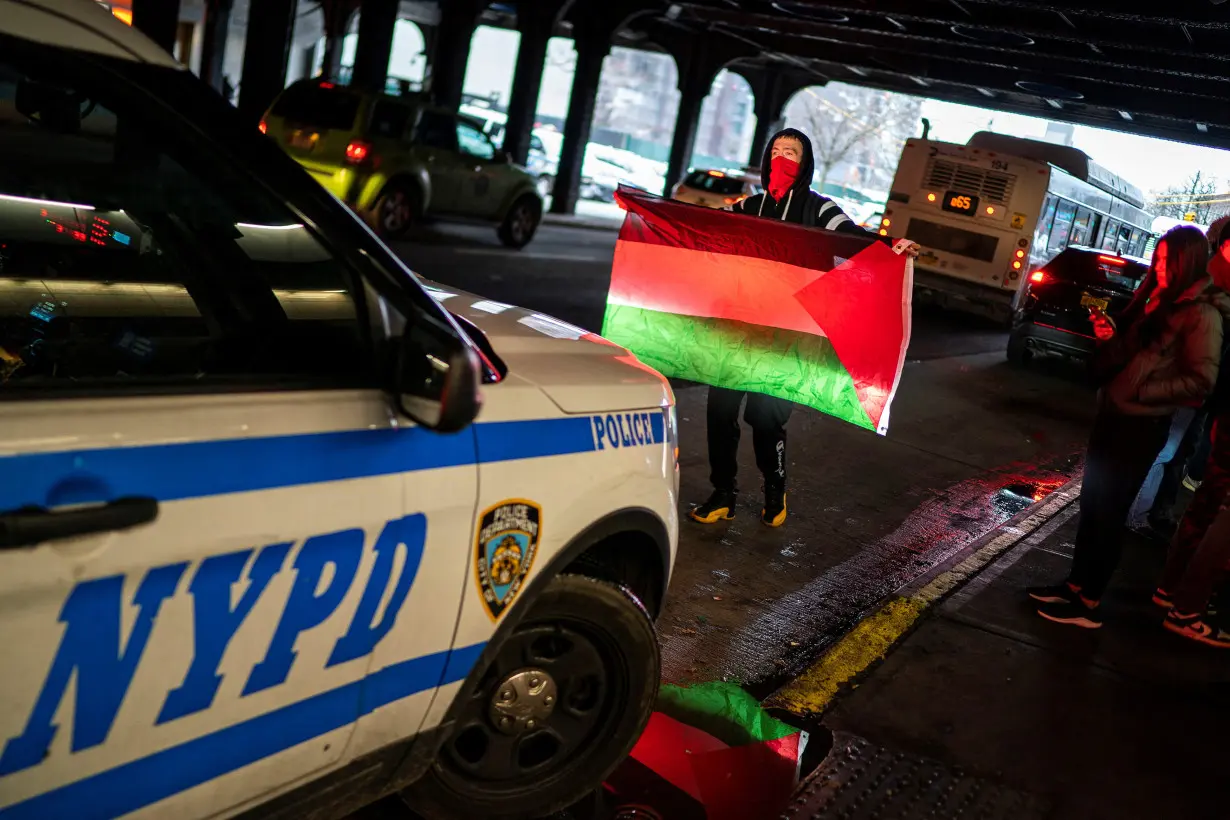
x: 960, y: 203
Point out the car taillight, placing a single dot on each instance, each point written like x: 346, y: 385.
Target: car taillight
x: 1112, y: 260
x: 1038, y: 277
x: 264, y: 127
x: 730, y: 200
x: 357, y: 151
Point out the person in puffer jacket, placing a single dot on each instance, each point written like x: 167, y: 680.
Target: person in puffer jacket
x: 1164, y: 355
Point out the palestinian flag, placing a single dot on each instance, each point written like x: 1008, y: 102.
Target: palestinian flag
x: 710, y: 752
x: 811, y: 316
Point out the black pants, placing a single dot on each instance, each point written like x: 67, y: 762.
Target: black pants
x: 1121, y: 451
x: 767, y: 417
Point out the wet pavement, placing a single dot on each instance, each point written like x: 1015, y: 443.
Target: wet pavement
x: 972, y: 443
x: 1126, y: 721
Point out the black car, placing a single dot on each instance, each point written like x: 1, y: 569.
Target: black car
x: 1053, y: 312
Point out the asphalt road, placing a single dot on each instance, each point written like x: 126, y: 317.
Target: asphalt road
x: 972, y: 442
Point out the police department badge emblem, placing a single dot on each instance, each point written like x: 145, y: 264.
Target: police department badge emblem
x: 504, y: 551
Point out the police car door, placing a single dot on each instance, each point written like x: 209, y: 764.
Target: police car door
x: 204, y: 530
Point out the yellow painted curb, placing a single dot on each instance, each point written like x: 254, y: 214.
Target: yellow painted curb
x: 867, y: 643
x: 813, y: 691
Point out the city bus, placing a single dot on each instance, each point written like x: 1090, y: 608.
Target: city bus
x: 989, y: 211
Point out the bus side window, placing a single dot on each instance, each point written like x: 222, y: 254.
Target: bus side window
x: 1065, y: 212
x: 1110, y: 235
x: 1042, y: 233
x: 1082, y: 225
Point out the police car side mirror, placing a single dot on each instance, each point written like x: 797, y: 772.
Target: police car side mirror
x: 435, y: 387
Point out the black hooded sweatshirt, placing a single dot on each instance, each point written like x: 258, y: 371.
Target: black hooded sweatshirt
x: 801, y: 205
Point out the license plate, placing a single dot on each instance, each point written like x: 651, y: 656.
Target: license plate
x: 305, y: 140
x: 1093, y: 301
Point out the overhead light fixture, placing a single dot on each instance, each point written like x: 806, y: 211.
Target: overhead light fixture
x: 810, y: 12
x: 1049, y: 90
x: 992, y: 37
x: 674, y: 11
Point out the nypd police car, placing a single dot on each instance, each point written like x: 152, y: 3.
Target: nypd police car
x: 284, y: 529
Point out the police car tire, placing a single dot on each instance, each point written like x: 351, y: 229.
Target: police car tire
x: 627, y: 633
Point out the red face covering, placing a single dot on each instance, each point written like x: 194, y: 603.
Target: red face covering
x: 783, y: 172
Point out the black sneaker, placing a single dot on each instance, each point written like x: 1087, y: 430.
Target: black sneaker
x: 1196, y: 628
x: 1073, y: 613
x: 719, y: 507
x: 774, y: 512
x: 1055, y: 594
x: 1163, y: 598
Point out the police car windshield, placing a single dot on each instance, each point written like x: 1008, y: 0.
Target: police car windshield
x: 133, y: 247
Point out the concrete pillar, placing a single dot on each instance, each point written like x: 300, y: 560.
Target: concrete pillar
x: 371, y: 56
x: 451, y: 50
x: 591, y: 51
x: 213, y: 40
x: 265, y: 53
x: 158, y: 20
x: 536, y: 22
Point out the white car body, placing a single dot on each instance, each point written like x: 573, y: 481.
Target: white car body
x: 309, y: 593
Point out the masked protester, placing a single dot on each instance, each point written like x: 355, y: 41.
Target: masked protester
x: 786, y: 174
x: 1162, y: 355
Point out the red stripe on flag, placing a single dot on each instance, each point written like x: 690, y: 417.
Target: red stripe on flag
x: 712, y: 285
x: 655, y: 221
x: 864, y: 308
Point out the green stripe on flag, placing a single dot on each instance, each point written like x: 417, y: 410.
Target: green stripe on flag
x: 795, y: 366
x: 723, y: 710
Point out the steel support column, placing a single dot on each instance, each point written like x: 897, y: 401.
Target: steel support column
x: 772, y: 89
x: 451, y: 51
x: 158, y: 20
x: 699, y: 58
x: 337, y: 14
x: 371, y: 57
x: 591, y: 51
x: 536, y: 22
x: 264, y: 55
x: 213, y: 40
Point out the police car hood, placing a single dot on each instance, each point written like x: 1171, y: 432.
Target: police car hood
x: 580, y: 371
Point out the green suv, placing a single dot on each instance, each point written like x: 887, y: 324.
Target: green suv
x: 395, y: 160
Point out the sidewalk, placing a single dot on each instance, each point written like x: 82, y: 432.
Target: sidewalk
x: 597, y: 216
x: 987, y: 710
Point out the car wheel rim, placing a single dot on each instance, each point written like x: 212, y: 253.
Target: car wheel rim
x: 396, y: 212
x: 546, y: 697
x: 522, y: 223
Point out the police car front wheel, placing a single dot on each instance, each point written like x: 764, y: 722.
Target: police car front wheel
x: 562, y: 703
